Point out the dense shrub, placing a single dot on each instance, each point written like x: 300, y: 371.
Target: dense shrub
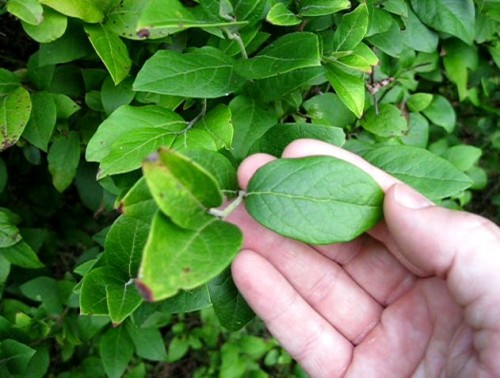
x: 122, y: 124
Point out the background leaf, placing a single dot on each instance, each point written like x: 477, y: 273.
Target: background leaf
x: 192, y: 257
x: 351, y: 29
x: 431, y: 175
x: 290, y: 52
x: 87, y: 10
x: 116, y: 349
x: 172, y: 73
x: 42, y: 121
x: 15, y: 110
x: 111, y: 50
x: 314, y: 8
x: 229, y: 305
x: 448, y: 16
x: 278, y: 137
x: 349, y: 86
x: 387, y: 122
x: 63, y: 159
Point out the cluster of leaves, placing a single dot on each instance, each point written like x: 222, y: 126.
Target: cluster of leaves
x: 121, y: 135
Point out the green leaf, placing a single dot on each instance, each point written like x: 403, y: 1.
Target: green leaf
x: 130, y: 134
x: 317, y: 200
x: 349, y: 86
x: 418, y: 131
x: 63, y: 159
x: 124, y: 244
x: 45, y: 290
x: 52, y: 27
x: 458, y: 59
x: 417, y: 36
x: 172, y: 73
x: 217, y: 123
x: 441, y: 113
x: 122, y: 301
x: 138, y: 202
x: 8, y: 81
x: 280, y: 15
x: 15, y: 355
x: 289, y: 52
x: 388, y: 122
x: 431, y: 175
x: 250, y: 120
x: 165, y: 17
x: 399, y: 7
x: 66, y: 107
x: 352, y: 29
x: 418, y: 102
x: 113, y: 96
x: 21, y: 254
x: 313, y: 8
x: 390, y: 41
x: 71, y: 46
x: 216, y: 164
x: 448, y: 16
x: 186, y: 301
x: 179, y: 259
x: 462, y: 156
x: 275, y: 140
x: 182, y: 189
x: 116, y: 350
x: 229, y: 305
x: 148, y: 342
x: 87, y: 10
x: 362, y: 58
x: 29, y: 11
x: 111, y: 50
x: 93, y: 296
x: 276, y: 87
x: 42, y: 121
x: 9, y: 233
x: 15, y: 110
x: 328, y: 109
x: 380, y: 21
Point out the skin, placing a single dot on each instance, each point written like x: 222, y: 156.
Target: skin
x: 417, y: 296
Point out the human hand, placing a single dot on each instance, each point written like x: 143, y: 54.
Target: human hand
x: 419, y: 295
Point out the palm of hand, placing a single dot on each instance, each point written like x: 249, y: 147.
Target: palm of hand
x: 369, y: 309
x: 353, y: 309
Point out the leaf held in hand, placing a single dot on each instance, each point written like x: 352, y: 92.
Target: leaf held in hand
x: 317, y: 200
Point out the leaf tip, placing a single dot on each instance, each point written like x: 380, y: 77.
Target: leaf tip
x: 144, y: 290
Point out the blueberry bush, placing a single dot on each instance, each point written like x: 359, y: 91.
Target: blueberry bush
x: 123, y: 123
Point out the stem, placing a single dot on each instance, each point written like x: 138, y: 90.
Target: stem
x: 229, y: 208
x: 235, y: 36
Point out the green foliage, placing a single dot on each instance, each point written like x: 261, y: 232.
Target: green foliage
x: 123, y: 123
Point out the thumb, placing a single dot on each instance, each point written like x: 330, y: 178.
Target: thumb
x: 433, y: 238
x: 461, y: 247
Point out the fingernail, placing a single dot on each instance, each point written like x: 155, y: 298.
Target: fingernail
x: 410, y: 198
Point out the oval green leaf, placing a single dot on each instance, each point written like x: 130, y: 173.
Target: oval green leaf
x: 182, y: 189
x: 431, y: 175
x: 172, y: 73
x: 178, y: 259
x: 317, y: 200
x: 15, y: 110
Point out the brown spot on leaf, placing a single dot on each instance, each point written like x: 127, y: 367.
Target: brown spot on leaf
x: 143, y: 33
x: 144, y: 290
